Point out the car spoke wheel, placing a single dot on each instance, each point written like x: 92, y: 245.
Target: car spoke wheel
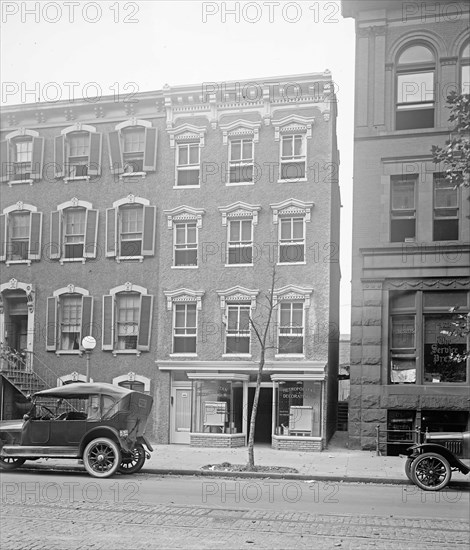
x: 134, y: 461
x: 102, y: 457
x: 430, y: 472
x: 11, y: 463
x: 408, y: 463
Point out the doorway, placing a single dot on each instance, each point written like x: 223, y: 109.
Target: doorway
x: 180, y: 415
x: 263, y: 428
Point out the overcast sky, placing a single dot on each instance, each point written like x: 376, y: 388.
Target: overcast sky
x: 110, y: 47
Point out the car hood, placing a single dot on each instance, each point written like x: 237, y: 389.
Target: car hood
x: 11, y: 425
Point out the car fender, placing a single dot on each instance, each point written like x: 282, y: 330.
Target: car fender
x: 455, y: 462
x: 102, y: 431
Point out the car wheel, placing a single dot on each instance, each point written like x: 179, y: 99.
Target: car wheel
x: 134, y: 461
x: 102, y: 457
x: 408, y: 463
x: 430, y: 472
x: 11, y: 463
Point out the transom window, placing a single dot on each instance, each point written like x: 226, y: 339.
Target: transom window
x: 291, y: 327
x: 131, y: 228
x: 128, y: 311
x: 415, y: 88
x: 293, y: 158
x: 74, y: 232
x: 241, y: 161
x: 240, y: 242
x: 187, y: 164
x: 185, y: 244
x: 291, y: 240
x: 446, y: 210
x: 403, y: 208
x: 238, y: 329
x: 184, y: 328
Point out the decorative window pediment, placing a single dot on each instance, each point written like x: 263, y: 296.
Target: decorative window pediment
x: 74, y: 203
x: 22, y: 132
x: 292, y: 207
x: 71, y: 289
x: 78, y: 127
x: 294, y: 292
x: 293, y: 124
x: 20, y: 205
x: 238, y: 294
x: 239, y: 210
x: 133, y: 122
x: 240, y: 129
x: 130, y: 199
x: 184, y: 214
x: 183, y: 295
x: 128, y: 287
x: 185, y: 133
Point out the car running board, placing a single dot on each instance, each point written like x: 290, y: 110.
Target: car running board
x: 39, y: 452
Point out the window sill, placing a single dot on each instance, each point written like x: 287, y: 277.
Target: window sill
x: 293, y: 180
x: 236, y: 355
x: 72, y: 260
x: 183, y: 355
x: 77, y: 178
x: 228, y: 184
x: 126, y: 352
x: 291, y: 263
x: 120, y: 259
x: 19, y: 182
x: 186, y: 186
x: 133, y: 174
x: 69, y: 352
x: 239, y: 265
x: 16, y: 262
x: 289, y: 356
x: 184, y: 267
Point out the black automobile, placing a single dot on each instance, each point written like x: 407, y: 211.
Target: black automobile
x: 100, y: 423
x: 430, y: 465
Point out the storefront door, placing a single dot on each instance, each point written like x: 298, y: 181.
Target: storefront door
x: 180, y: 414
x: 264, y: 415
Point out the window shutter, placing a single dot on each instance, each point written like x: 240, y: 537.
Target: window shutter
x: 148, y: 241
x: 86, y: 328
x: 37, y: 158
x: 115, y: 153
x: 55, y: 244
x: 51, y: 324
x: 3, y: 237
x: 107, y: 338
x: 145, y: 323
x: 59, y: 156
x: 150, y: 151
x: 35, y: 233
x: 91, y: 233
x: 5, y: 161
x: 111, y: 232
x: 94, y: 157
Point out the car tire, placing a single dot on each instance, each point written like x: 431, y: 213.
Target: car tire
x: 430, y: 472
x: 408, y: 463
x: 11, y: 463
x: 133, y: 464
x: 102, y: 457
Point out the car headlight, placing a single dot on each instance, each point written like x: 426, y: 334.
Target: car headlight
x: 123, y: 433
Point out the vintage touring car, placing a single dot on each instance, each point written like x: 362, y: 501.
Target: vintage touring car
x: 100, y: 423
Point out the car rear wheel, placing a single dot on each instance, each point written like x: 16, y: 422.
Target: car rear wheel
x: 134, y: 461
x: 430, y: 472
x: 102, y: 457
x: 10, y: 463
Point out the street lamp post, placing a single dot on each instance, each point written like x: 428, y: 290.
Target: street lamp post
x: 88, y: 344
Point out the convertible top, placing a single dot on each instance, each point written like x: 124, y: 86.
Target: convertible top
x: 85, y: 388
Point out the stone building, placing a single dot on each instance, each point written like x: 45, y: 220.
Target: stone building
x: 153, y: 223
x: 410, y: 227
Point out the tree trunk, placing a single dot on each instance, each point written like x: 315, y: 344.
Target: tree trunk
x: 251, y: 440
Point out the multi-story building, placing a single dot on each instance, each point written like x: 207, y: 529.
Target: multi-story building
x: 410, y: 227
x: 155, y: 223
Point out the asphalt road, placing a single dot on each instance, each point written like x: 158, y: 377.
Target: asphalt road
x: 60, y: 510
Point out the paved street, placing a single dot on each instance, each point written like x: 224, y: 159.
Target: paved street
x: 50, y: 510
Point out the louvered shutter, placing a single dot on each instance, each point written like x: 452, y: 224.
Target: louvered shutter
x: 148, y: 240
x: 86, y: 328
x: 107, y: 329
x: 111, y: 232
x: 37, y: 158
x: 55, y: 243
x: 91, y: 233
x: 35, y: 233
x: 51, y: 324
x: 150, y: 151
x: 3, y: 237
x: 145, y: 323
x: 94, y: 158
x: 5, y: 161
x: 59, y: 156
x: 115, y: 153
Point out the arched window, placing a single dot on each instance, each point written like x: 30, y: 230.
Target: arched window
x: 465, y: 69
x: 415, y: 88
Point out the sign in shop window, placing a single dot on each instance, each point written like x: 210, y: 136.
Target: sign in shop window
x: 298, y: 408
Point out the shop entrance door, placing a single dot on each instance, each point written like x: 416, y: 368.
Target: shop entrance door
x: 263, y: 428
x: 181, y: 415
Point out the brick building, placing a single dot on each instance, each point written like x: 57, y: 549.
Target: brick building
x: 153, y: 224
x: 410, y: 227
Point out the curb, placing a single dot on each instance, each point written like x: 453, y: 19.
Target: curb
x: 253, y: 475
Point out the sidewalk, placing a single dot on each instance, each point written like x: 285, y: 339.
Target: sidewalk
x: 336, y: 463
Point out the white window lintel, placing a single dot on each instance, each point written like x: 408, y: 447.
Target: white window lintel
x: 239, y: 210
x: 133, y: 122
x: 70, y: 289
x: 292, y: 124
x: 294, y: 292
x: 292, y: 207
x: 128, y: 287
x: 238, y: 294
x: 19, y: 206
x: 183, y: 295
x: 185, y: 133
x: 183, y: 214
x: 130, y: 199
x: 240, y: 128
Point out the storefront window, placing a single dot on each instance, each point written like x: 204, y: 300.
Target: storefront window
x: 298, y: 408
x: 217, y: 406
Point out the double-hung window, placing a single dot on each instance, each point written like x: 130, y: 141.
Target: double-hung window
x: 446, y: 210
x: 291, y: 240
x: 133, y: 149
x: 238, y: 334
x: 188, y: 167
x: 18, y: 246
x: 240, y: 242
x: 184, y: 328
x: 22, y: 154
x: 23, y: 159
x: 293, y: 157
x: 241, y: 161
x: 79, y: 143
x: 403, y: 208
x: 77, y: 153
x: 20, y: 234
x: 127, y: 315
x: 74, y: 232
x: 185, y: 244
x: 291, y: 327
x: 131, y: 231
x: 70, y: 312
